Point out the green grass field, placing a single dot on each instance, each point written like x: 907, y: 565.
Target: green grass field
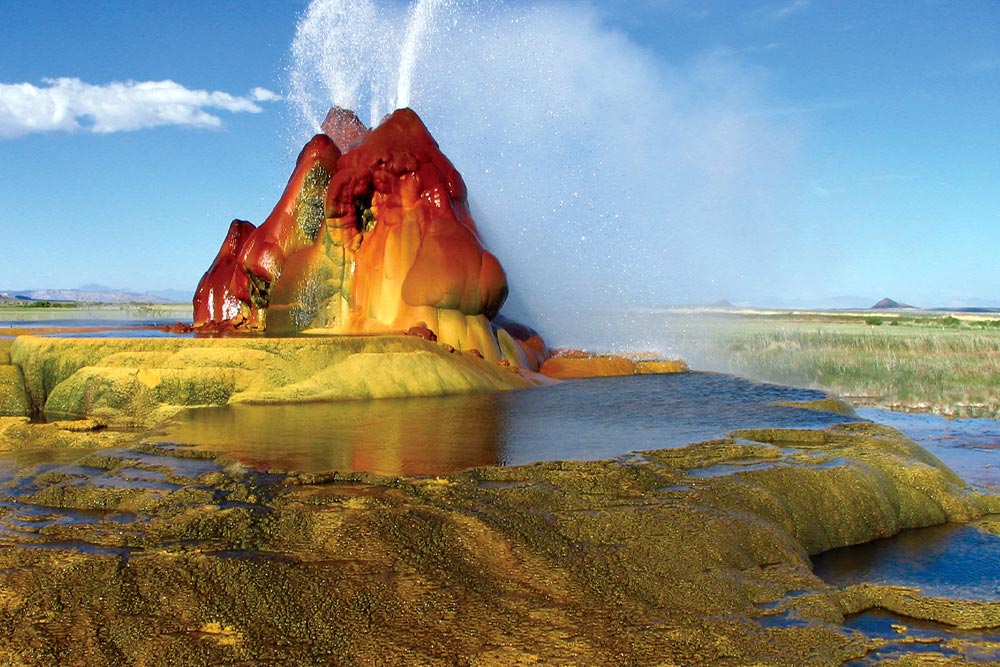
x: 931, y: 363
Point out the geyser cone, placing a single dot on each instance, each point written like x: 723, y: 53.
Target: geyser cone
x: 344, y: 128
x: 372, y: 234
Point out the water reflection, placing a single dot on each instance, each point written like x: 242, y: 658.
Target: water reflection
x: 395, y: 436
x: 582, y: 420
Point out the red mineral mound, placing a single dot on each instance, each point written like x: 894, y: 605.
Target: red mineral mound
x: 372, y: 234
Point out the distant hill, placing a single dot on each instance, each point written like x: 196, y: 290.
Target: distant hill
x: 6, y: 297
x: 888, y: 304
x: 96, y: 294
x: 723, y: 304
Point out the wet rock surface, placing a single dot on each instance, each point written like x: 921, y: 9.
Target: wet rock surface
x: 147, y: 553
x: 142, y: 381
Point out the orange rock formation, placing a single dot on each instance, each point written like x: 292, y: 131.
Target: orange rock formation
x: 372, y: 234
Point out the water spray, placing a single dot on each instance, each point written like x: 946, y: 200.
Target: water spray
x: 602, y: 176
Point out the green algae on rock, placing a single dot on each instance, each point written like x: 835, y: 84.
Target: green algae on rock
x: 831, y: 403
x: 849, y: 484
x: 694, y: 556
x: 19, y: 434
x: 141, y: 381
x: 13, y: 397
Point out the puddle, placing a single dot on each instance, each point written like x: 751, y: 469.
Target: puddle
x: 53, y: 499
x: 956, y: 561
x: 722, y: 470
x: 141, y: 475
x: 81, y: 546
x: 135, y: 483
x: 26, y: 524
x: 907, y: 636
x: 496, y: 484
x: 172, y: 461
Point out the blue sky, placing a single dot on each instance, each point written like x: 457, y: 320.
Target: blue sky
x: 800, y: 152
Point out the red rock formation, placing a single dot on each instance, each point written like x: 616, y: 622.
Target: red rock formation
x: 372, y: 234
x: 216, y: 298
x: 344, y: 128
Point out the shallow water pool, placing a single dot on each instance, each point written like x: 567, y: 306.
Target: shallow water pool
x: 957, y: 561
x: 592, y: 419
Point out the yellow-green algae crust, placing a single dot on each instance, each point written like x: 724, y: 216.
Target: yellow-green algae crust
x: 13, y: 397
x: 646, y: 560
x: 140, y: 381
x: 831, y: 403
x: 19, y: 434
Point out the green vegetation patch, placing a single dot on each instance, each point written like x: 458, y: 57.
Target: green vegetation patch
x: 952, y: 368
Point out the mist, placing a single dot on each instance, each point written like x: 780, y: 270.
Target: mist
x: 607, y: 181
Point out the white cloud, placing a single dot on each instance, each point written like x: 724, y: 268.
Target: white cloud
x: 71, y: 105
x: 790, y: 8
x: 770, y: 14
x: 264, y: 95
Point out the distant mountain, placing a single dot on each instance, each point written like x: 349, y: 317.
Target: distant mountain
x: 723, y: 304
x: 888, y: 304
x: 173, y: 294
x: 96, y: 294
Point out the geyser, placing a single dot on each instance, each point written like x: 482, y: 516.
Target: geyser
x: 357, y: 56
x: 604, y: 176
x: 373, y: 234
